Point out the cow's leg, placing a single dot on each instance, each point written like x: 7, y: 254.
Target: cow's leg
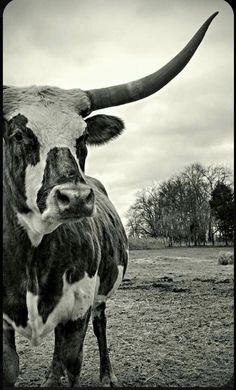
x: 68, y: 351
x: 107, y: 376
x: 10, y: 357
x: 56, y: 370
x: 72, y: 336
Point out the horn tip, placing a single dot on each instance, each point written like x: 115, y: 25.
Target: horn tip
x: 213, y: 15
x: 208, y: 21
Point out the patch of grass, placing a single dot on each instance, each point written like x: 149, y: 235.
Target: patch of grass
x: 170, y: 324
x: 205, y: 253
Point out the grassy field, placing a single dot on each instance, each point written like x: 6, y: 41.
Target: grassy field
x: 170, y: 324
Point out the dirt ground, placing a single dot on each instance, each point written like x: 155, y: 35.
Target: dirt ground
x: 170, y: 324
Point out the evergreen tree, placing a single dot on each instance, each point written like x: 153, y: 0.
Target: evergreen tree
x: 222, y: 206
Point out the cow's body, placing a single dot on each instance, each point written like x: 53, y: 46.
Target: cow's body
x: 65, y: 249
x: 72, y: 270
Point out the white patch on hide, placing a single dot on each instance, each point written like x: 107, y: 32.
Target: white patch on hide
x: 35, y: 227
x: 53, y: 126
x: 26, y: 332
x: 103, y: 298
x: 76, y: 299
x: 34, y: 319
x: 33, y: 182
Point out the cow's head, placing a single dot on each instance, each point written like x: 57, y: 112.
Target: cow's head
x: 46, y: 134
x: 46, y: 140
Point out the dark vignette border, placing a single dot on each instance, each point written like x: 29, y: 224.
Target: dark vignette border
x: 3, y: 5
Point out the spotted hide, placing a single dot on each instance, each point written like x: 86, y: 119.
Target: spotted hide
x: 65, y: 249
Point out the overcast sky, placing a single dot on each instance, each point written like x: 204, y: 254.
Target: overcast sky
x: 96, y: 43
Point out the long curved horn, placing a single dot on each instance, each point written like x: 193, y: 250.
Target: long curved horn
x: 139, y: 89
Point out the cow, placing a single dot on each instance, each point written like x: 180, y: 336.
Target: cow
x: 65, y: 248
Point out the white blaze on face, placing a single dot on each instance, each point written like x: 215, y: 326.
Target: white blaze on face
x: 53, y: 127
x: 33, y: 182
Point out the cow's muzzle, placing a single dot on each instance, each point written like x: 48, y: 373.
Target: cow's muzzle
x: 70, y: 202
x: 75, y: 201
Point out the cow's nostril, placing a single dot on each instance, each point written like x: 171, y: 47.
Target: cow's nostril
x: 90, y: 196
x: 62, y: 198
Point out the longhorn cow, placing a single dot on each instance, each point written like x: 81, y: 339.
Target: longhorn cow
x: 65, y: 249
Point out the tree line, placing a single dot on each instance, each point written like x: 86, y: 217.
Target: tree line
x: 194, y: 207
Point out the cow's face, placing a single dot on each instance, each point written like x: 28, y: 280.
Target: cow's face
x: 45, y: 154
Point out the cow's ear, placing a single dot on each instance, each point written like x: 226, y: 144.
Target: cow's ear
x: 102, y: 128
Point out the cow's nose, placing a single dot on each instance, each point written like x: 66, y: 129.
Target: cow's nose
x: 75, y: 202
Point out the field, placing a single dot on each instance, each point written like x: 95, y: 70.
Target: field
x: 170, y: 324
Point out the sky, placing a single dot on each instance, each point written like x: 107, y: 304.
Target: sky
x: 90, y: 44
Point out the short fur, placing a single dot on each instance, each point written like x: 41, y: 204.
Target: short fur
x: 35, y: 276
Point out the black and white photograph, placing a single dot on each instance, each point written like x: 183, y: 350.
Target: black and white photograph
x: 118, y: 194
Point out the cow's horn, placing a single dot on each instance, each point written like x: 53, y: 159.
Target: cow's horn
x: 139, y: 89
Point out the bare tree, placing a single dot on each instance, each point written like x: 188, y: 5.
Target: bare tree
x: 178, y: 209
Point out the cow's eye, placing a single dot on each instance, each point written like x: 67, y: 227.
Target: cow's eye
x: 18, y: 136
